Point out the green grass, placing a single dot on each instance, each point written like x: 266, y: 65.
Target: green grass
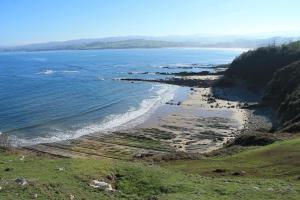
x: 281, y: 159
x: 271, y: 173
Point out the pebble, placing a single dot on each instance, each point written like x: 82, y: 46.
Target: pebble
x: 21, y: 181
x: 22, y: 158
x: 60, y: 169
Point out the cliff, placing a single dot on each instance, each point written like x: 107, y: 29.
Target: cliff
x: 255, y: 68
x: 283, y: 95
x: 274, y: 73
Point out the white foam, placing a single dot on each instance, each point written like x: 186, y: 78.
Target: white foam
x: 70, y: 71
x: 50, y: 72
x: 133, y: 117
x: 47, y: 72
x: 39, y: 59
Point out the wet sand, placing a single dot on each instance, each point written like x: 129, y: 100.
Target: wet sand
x: 198, y: 120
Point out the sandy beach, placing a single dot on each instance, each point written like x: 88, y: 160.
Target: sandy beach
x: 198, y: 120
x: 201, y: 123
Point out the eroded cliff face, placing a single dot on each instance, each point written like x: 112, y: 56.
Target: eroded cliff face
x: 283, y: 95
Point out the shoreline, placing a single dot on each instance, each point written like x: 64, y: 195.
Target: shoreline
x: 114, y: 122
x: 199, y: 123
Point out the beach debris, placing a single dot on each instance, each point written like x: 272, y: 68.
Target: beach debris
x: 101, y: 185
x: 21, y: 181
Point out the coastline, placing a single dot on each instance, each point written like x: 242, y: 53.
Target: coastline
x: 199, y: 125
x: 194, y: 123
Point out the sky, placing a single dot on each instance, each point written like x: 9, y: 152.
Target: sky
x: 32, y: 21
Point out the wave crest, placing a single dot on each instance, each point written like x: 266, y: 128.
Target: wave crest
x: 162, y: 94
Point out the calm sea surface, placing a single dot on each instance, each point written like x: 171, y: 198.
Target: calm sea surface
x: 56, y: 95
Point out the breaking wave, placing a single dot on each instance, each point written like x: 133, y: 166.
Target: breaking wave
x: 162, y: 94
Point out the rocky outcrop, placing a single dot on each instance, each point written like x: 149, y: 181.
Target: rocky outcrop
x: 283, y: 95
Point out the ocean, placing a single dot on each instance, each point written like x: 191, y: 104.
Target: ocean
x: 57, y: 95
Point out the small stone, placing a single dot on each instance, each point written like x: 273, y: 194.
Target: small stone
x: 21, y: 181
x: 101, y: 185
x: 241, y: 173
x: 60, y: 169
x: 7, y: 169
x: 72, y: 197
x: 110, y: 177
x: 153, y: 198
x: 219, y: 170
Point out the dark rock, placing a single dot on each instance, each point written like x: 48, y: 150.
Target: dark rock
x: 110, y: 177
x: 21, y: 181
x: 144, y: 155
x: 241, y: 173
x: 8, y: 169
x: 153, y: 198
x: 255, y: 139
x: 219, y: 170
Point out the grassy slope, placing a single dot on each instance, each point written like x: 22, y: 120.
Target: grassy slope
x: 279, y: 160
x: 271, y: 173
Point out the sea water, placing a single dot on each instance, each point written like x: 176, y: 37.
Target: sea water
x: 56, y: 95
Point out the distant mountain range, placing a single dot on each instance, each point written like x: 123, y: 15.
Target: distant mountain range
x: 155, y: 42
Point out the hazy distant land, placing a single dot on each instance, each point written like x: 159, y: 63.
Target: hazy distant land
x: 154, y: 42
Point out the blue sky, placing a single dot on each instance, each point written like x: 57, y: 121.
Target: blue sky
x: 29, y: 21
